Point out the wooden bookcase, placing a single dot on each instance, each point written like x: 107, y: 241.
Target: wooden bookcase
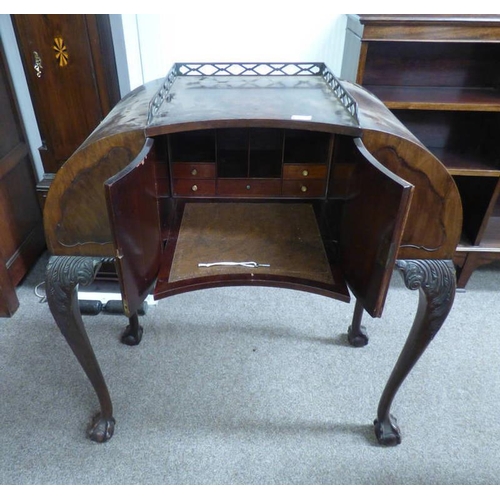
x: 440, y: 76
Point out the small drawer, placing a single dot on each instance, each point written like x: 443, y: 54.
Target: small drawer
x: 306, y: 188
x: 249, y: 187
x: 190, y: 170
x: 188, y: 187
x: 304, y: 171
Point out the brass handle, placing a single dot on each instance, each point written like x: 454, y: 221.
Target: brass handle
x: 38, y: 64
x: 305, y: 173
x: 303, y: 188
x: 194, y: 188
x: 194, y: 172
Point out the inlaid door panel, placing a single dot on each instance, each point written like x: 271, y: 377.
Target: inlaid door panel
x: 69, y: 64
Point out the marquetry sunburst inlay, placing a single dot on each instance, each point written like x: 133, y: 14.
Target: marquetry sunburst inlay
x: 61, y: 51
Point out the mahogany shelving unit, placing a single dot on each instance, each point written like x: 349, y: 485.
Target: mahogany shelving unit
x: 440, y: 76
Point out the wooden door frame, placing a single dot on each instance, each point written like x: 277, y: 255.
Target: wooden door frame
x: 27, y: 238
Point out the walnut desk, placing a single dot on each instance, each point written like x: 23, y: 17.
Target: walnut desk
x: 253, y: 174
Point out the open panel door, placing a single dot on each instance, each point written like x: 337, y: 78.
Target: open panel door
x: 373, y: 221
x: 135, y: 223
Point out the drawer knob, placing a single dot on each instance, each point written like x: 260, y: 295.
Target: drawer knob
x: 194, y: 188
x: 248, y: 186
x: 303, y: 188
x: 194, y: 172
x: 305, y: 173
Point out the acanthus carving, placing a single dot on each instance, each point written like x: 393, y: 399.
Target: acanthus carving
x: 437, y: 280
x: 63, y: 274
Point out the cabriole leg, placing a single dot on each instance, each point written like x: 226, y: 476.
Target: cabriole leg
x: 356, y: 334
x: 436, y: 282
x: 63, y: 276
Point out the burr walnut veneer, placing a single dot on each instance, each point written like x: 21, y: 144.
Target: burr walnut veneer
x: 253, y: 174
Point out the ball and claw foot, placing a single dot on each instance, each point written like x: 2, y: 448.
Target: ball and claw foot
x: 387, y: 432
x: 357, y: 337
x: 101, y: 429
x: 132, y: 335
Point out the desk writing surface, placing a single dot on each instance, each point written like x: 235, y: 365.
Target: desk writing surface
x: 283, y: 238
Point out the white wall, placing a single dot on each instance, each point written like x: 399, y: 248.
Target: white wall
x: 222, y: 31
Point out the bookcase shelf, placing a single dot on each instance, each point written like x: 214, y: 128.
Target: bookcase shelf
x: 438, y: 98
x: 440, y: 76
x: 466, y: 164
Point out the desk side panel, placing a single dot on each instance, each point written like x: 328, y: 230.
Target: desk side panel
x: 75, y: 215
x: 434, y: 222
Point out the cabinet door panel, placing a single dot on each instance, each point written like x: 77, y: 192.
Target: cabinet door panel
x: 133, y: 210
x: 373, y: 220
